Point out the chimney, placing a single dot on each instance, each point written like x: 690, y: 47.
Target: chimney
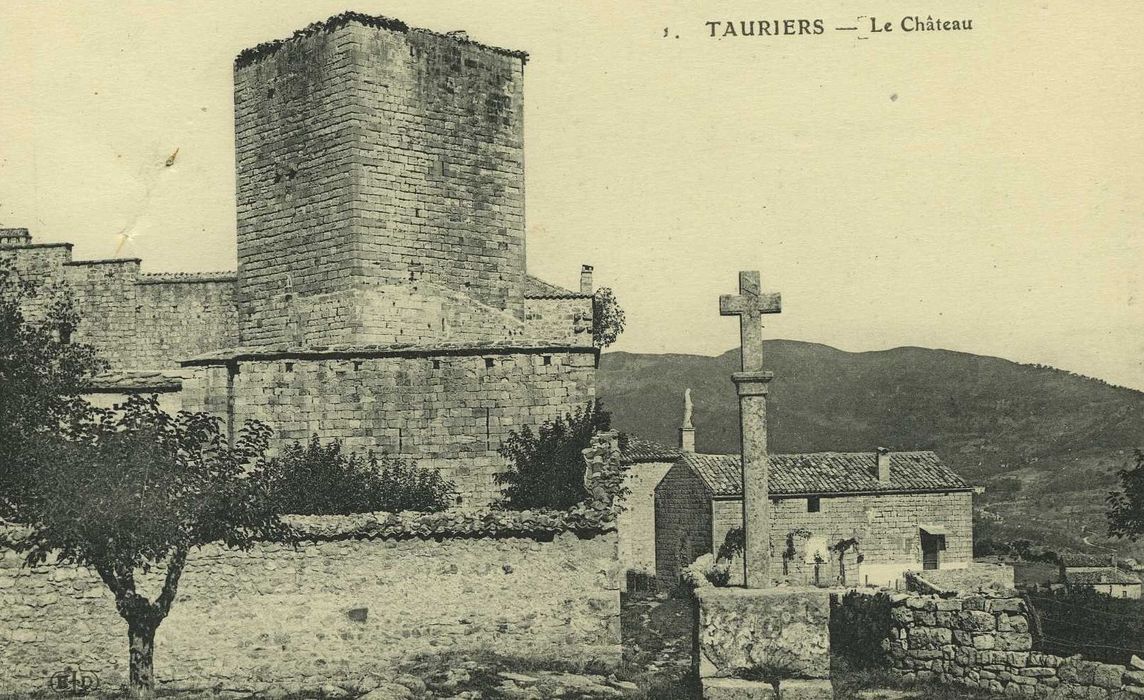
x: 883, y: 464
x: 687, y: 430
x: 586, y: 279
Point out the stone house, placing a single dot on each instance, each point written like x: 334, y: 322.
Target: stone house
x: 1107, y: 580
x: 381, y: 295
x: 1100, y: 574
x: 837, y: 518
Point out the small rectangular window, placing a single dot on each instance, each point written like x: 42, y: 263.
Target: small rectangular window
x: 289, y: 366
x: 813, y: 504
x: 548, y: 359
x: 436, y: 364
x: 489, y: 362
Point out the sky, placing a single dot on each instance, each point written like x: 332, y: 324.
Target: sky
x: 976, y: 191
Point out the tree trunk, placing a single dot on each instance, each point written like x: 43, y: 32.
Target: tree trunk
x: 141, y: 640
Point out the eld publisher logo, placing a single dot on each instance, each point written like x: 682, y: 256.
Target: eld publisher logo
x: 74, y: 682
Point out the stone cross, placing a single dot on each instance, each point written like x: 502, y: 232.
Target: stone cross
x: 751, y: 384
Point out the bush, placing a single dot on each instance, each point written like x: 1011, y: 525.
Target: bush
x: 318, y: 479
x: 1082, y: 621
x: 546, y: 468
x: 859, y: 624
x: 705, y: 571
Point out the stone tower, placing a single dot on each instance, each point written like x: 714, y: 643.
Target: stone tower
x: 380, y: 180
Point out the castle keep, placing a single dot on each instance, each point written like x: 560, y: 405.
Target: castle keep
x: 381, y: 296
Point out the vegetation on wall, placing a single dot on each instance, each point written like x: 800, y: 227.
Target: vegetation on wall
x: 317, y: 479
x: 607, y: 318
x: 546, y: 467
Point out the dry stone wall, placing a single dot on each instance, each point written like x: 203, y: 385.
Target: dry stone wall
x: 985, y: 642
x: 326, y: 612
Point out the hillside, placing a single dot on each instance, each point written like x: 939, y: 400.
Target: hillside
x: 1045, y: 443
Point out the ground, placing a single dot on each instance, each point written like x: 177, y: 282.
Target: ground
x: 656, y: 666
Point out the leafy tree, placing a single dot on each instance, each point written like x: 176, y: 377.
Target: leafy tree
x: 607, y: 318
x: 1126, y: 506
x: 134, y: 489
x: 546, y: 468
x: 318, y: 479
x: 41, y: 371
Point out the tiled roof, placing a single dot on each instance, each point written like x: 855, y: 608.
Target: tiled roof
x: 133, y: 381
x: 1073, y: 559
x: 830, y: 472
x: 535, y: 288
x: 1107, y: 575
x: 640, y: 451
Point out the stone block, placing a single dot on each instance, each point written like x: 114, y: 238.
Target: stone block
x: 774, y: 630
x: 736, y: 689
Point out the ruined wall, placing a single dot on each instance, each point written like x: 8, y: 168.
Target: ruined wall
x: 449, y: 412
x: 984, y: 642
x: 682, y: 523
x: 326, y: 612
x: 380, y: 160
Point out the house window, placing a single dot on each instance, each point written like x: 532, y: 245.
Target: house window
x: 813, y: 504
x: 489, y: 362
x: 548, y: 359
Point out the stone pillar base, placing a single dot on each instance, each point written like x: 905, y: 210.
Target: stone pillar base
x: 791, y: 689
x: 763, y: 633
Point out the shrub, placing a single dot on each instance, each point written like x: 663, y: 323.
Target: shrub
x: 546, y: 468
x: 705, y: 571
x: 318, y: 479
x: 859, y: 624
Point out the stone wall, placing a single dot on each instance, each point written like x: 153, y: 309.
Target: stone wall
x: 562, y: 320
x: 636, y: 522
x: 984, y: 642
x: 446, y: 411
x: 372, y: 158
x: 135, y: 320
x: 326, y: 612
x: 885, y: 525
x: 682, y: 523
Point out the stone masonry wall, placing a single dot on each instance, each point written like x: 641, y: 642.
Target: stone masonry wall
x: 886, y: 526
x: 326, y: 612
x: 561, y: 320
x: 448, y: 412
x: 135, y: 320
x: 372, y: 159
x: 682, y: 523
x: 636, y: 522
x: 984, y: 642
